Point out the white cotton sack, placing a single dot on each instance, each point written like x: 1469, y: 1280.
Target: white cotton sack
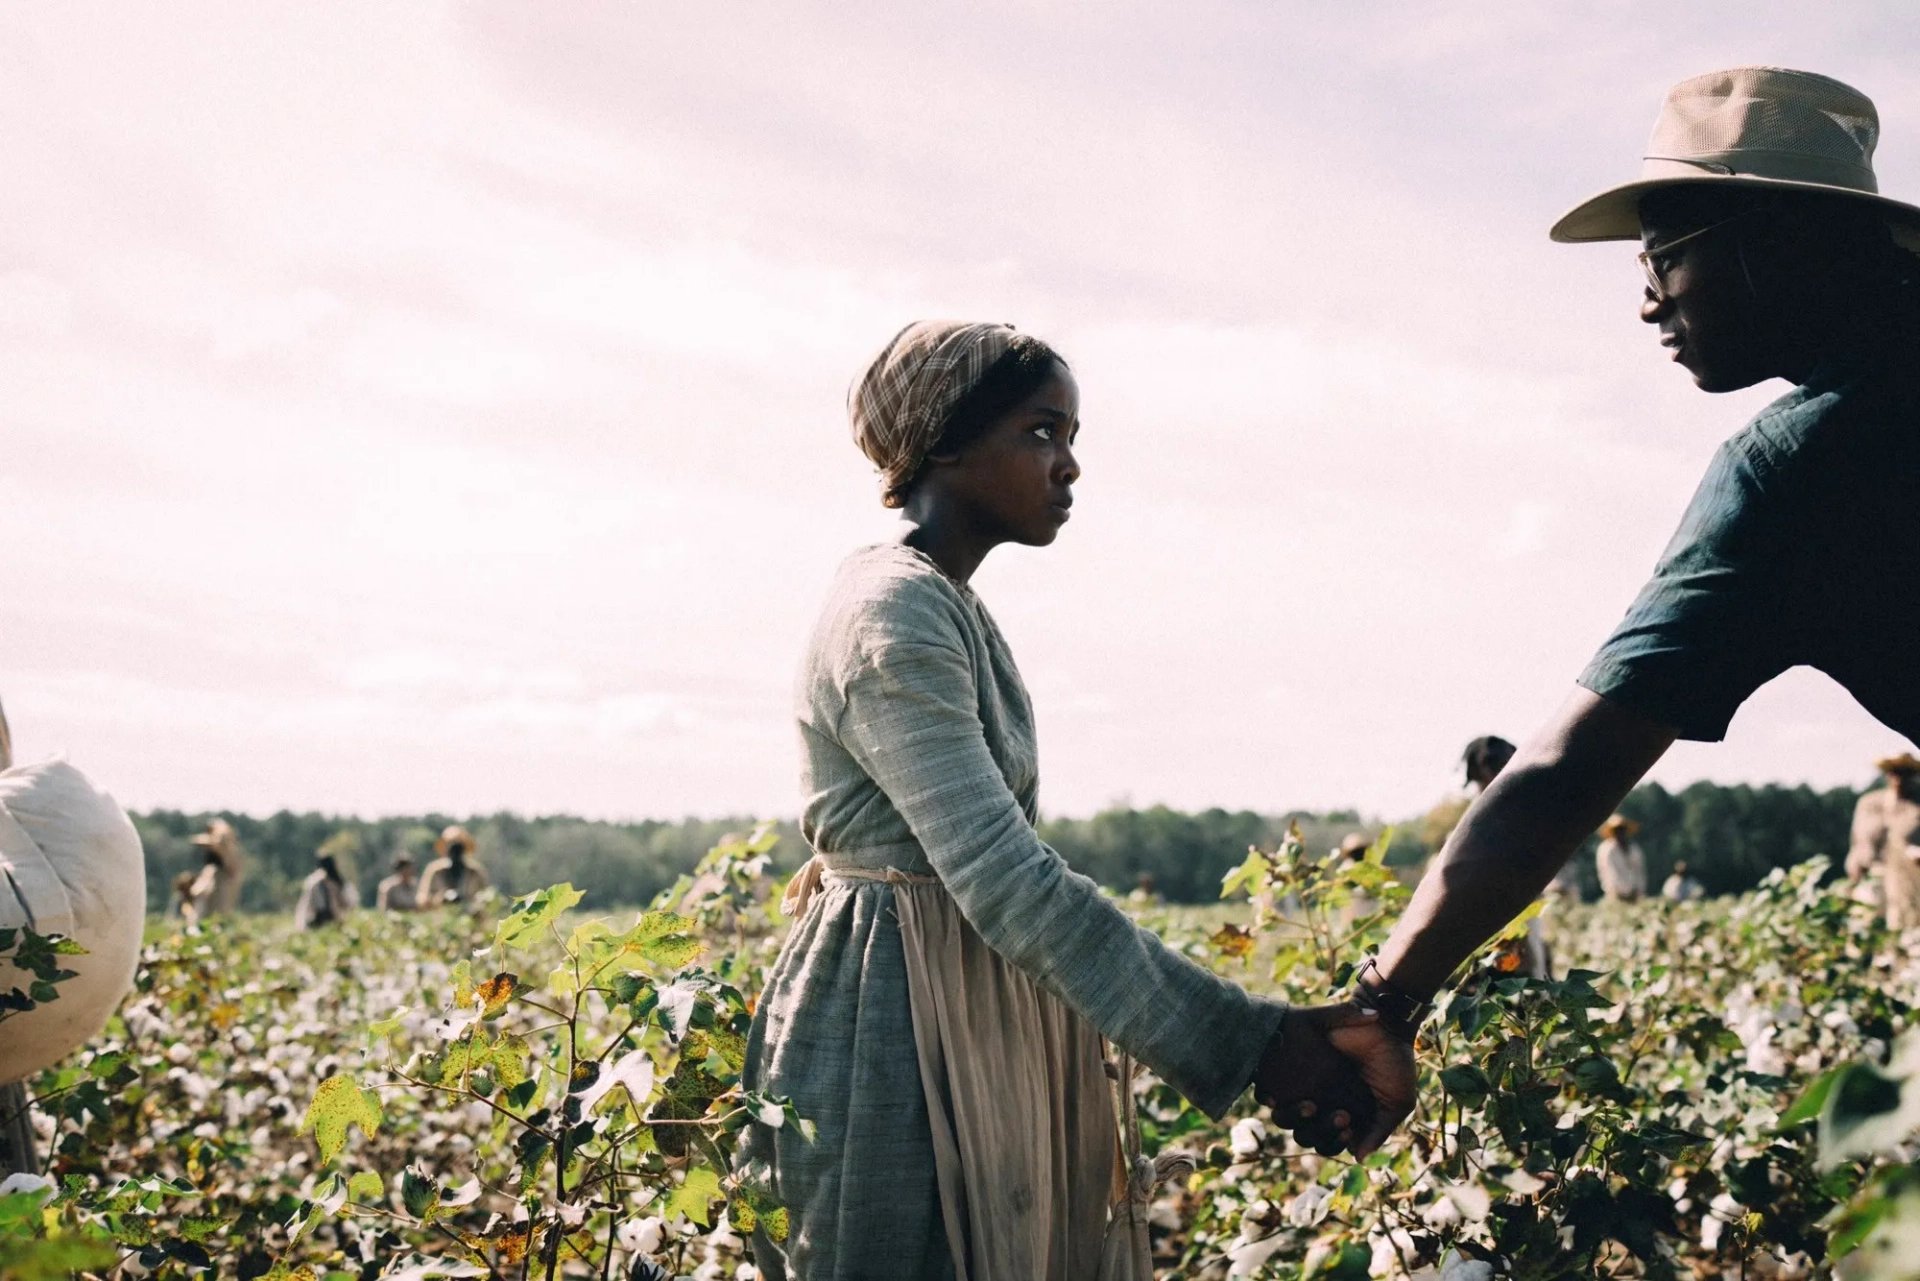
x: 70, y: 863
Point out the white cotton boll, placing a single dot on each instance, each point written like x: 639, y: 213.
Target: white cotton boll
x: 1246, y: 1136
x: 179, y: 1052
x: 746, y: 1272
x: 771, y: 1115
x: 17, y: 1183
x: 1710, y: 1230
x: 641, y: 1236
x: 1310, y: 1207
x: 1388, y: 1248
x: 1470, y: 1199
x: 1441, y: 1214
x: 1251, y: 1252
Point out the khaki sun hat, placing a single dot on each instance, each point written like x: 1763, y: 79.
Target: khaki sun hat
x: 1905, y: 763
x: 1618, y: 824
x: 1756, y: 127
x: 453, y: 835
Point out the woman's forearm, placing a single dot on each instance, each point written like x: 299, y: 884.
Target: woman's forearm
x: 1556, y: 790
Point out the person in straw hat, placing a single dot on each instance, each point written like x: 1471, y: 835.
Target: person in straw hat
x: 1766, y: 251
x: 455, y: 876
x: 216, y: 889
x: 1886, y: 841
x: 1619, y: 861
x: 938, y: 1008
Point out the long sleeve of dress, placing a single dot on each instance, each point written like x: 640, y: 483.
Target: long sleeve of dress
x: 911, y: 720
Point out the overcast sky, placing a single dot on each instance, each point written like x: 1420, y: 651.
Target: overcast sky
x: 441, y: 406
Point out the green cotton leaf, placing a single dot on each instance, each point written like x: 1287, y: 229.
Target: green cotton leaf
x: 1865, y: 1112
x: 518, y: 1096
x: 1250, y: 876
x: 382, y: 1029
x: 366, y: 1186
x: 419, y: 1193
x: 533, y: 914
x: 1466, y: 1083
x: 627, y: 989
x: 692, y: 1197
x: 337, y: 1104
x: 1812, y: 1101
x: 1597, y: 1076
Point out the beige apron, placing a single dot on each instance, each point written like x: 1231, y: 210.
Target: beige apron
x: 1034, y: 1183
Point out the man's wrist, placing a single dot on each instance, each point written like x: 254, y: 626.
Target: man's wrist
x: 1401, y: 1012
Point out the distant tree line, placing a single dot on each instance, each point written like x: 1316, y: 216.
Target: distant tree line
x: 1730, y: 838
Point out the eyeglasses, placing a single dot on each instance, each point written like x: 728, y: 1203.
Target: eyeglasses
x: 1656, y: 276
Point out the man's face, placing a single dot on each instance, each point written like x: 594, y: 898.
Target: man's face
x: 1709, y: 316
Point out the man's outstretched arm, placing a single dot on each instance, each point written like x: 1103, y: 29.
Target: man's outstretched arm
x: 1562, y: 783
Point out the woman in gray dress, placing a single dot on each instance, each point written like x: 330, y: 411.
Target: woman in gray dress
x: 940, y: 1008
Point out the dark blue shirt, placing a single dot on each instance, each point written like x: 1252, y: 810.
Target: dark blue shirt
x: 1801, y: 546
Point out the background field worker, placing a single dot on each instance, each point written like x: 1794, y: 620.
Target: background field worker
x: 183, y: 899
x: 325, y: 896
x: 1620, y: 862
x: 1885, y: 824
x: 399, y: 892
x: 70, y: 864
x: 1680, y: 887
x: 454, y: 877
x: 217, y: 887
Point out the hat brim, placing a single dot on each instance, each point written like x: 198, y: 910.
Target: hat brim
x: 1614, y: 214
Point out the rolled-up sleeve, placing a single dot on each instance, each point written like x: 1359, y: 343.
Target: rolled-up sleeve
x: 1713, y: 624
x: 911, y: 720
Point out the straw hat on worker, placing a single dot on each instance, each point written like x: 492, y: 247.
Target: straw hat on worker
x: 454, y: 877
x: 1764, y: 128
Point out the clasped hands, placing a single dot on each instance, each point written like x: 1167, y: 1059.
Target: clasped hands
x: 1338, y: 1077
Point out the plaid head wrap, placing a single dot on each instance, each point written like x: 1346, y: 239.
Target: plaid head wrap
x: 901, y: 404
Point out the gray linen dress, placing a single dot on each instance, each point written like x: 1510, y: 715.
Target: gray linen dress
x: 918, y: 755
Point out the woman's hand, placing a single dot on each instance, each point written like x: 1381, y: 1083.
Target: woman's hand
x: 1311, y: 1085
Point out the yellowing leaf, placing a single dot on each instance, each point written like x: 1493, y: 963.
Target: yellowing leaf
x: 495, y: 993
x: 1232, y: 941
x: 692, y: 1197
x: 337, y: 1104
x: 366, y: 1186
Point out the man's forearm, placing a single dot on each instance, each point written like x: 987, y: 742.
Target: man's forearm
x: 1557, y: 789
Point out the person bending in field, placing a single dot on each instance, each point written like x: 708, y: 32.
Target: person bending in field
x: 455, y: 876
x: 1886, y: 841
x: 939, y: 1006
x: 216, y: 889
x: 1767, y: 254
x: 397, y: 893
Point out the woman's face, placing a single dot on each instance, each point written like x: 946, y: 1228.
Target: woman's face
x: 1015, y: 481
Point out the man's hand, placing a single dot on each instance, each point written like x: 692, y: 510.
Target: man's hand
x: 1314, y: 1087
x: 1384, y: 1062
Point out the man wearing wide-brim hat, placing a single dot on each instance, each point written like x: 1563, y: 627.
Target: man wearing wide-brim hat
x: 455, y: 876
x: 1619, y: 861
x: 1886, y: 824
x: 1768, y: 252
